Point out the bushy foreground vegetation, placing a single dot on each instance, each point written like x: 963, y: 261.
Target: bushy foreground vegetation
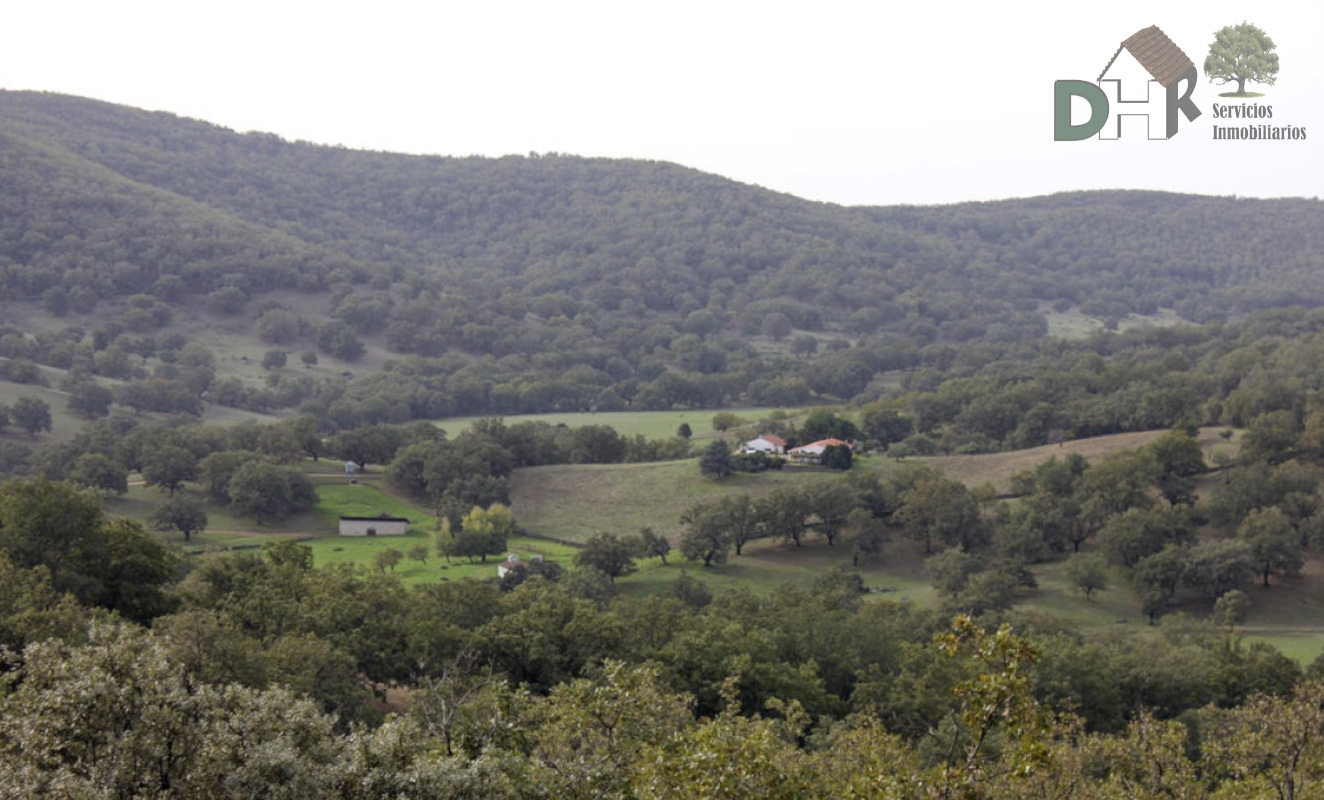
x: 347, y: 682
x: 253, y: 690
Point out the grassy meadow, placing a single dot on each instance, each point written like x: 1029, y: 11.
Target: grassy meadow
x: 1286, y: 615
x: 366, y: 500
x: 570, y: 502
x: 560, y: 506
x: 765, y: 565
x: 651, y: 424
x: 1075, y: 324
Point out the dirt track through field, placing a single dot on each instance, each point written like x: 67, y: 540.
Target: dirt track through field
x: 265, y: 534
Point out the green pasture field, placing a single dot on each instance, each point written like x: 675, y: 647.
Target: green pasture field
x: 1303, y: 648
x: 652, y: 424
x: 768, y: 345
x: 572, y: 502
x: 1288, y: 613
x: 897, y: 574
x: 362, y: 549
x: 365, y: 500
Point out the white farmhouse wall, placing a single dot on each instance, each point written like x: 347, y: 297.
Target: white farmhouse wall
x: 381, y: 527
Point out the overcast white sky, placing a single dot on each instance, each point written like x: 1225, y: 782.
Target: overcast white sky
x: 850, y: 102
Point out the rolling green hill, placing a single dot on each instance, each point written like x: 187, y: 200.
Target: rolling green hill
x: 603, y: 231
x: 421, y: 287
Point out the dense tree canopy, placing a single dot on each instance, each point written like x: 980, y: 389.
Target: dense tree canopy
x: 676, y: 290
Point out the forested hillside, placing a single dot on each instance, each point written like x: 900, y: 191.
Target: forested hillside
x: 1086, y: 629
x: 563, y: 283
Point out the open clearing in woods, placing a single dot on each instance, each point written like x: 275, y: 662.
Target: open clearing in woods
x: 571, y: 502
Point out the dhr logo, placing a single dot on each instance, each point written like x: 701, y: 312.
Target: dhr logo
x: 1167, y: 67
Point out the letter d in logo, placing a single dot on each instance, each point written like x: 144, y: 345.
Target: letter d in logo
x: 1063, y: 91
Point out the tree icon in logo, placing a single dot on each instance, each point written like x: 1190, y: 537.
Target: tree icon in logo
x: 1241, y: 53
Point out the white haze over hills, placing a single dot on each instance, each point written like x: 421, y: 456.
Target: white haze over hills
x: 850, y: 102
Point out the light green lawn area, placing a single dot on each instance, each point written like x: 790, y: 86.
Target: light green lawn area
x: 652, y: 424
x: 1072, y: 324
x: 1303, y: 648
x: 1289, y: 614
x: 364, y: 500
x: 362, y: 549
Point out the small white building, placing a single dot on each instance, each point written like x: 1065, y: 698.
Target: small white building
x: 374, y: 526
x: 513, y: 563
x: 767, y: 443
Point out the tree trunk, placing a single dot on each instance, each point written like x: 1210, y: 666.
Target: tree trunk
x: 1241, y: 85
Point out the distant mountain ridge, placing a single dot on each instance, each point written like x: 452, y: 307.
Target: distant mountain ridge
x: 516, y: 213
x: 561, y: 282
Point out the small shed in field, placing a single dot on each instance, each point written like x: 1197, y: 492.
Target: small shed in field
x: 512, y: 561
x: 374, y: 526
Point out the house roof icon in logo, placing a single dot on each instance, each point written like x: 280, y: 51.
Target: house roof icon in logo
x: 1159, y: 55
x: 1161, y: 61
